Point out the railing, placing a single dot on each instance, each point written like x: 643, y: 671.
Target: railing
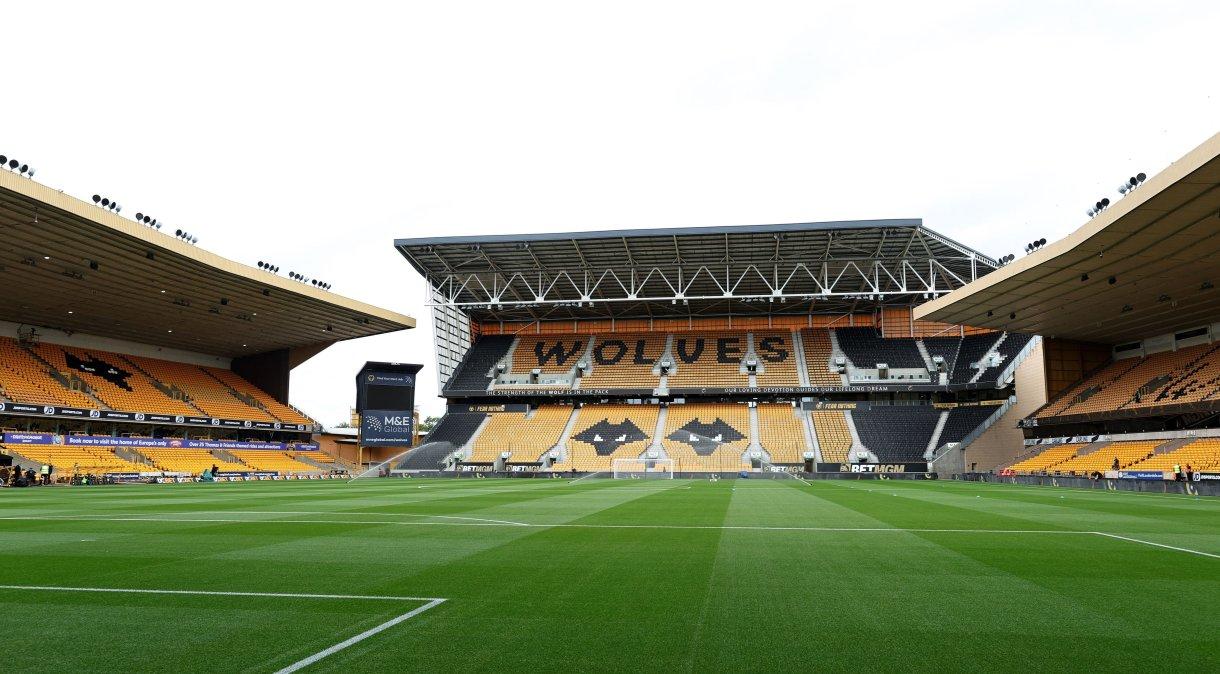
x: 957, y: 462
x: 1010, y: 369
x: 988, y: 422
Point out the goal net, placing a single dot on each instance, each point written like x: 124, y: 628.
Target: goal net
x: 643, y: 469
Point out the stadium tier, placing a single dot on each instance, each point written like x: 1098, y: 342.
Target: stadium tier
x: 51, y: 374
x: 69, y: 460
x: 767, y: 359
x: 1188, y: 375
x: 696, y: 436
x: 1202, y: 454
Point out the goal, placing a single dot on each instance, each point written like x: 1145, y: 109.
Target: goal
x: 643, y: 469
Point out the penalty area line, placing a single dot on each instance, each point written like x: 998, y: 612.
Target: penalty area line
x: 1156, y: 545
x: 301, y: 664
x: 216, y: 593
x: 429, y: 603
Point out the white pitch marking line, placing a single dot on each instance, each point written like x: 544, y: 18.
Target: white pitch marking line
x: 120, y: 517
x: 493, y: 523
x: 102, y: 518
x: 431, y: 602
x: 374, y: 514
x: 300, y: 664
x: 1158, y: 545
x: 217, y: 593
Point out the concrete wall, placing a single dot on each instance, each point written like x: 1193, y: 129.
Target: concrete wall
x: 1000, y: 444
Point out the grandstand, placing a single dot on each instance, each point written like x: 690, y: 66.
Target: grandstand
x: 1129, y: 313
x: 77, y: 460
x: 113, y: 333
x: 748, y: 352
x: 616, y: 354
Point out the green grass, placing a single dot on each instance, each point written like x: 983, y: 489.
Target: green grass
x: 677, y: 575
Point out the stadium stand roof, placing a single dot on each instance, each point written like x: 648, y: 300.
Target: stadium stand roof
x: 1147, y: 265
x: 151, y: 288
x: 757, y: 269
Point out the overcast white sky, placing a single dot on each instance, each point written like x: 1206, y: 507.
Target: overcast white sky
x: 315, y: 133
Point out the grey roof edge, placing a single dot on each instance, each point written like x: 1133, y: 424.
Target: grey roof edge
x: 898, y: 223
x: 991, y: 261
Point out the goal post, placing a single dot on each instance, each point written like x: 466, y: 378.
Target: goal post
x: 643, y: 469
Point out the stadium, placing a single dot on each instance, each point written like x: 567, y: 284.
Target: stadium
x: 847, y: 444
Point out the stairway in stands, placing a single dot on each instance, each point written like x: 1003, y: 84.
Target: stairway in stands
x: 934, y: 441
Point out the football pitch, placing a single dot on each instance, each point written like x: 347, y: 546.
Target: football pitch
x: 551, y: 575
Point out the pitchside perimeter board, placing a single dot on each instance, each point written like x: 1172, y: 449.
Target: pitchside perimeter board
x: 385, y: 399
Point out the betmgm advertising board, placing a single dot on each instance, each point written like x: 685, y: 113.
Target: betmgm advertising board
x: 385, y: 400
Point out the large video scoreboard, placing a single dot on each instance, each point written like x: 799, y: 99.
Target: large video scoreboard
x: 385, y: 400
